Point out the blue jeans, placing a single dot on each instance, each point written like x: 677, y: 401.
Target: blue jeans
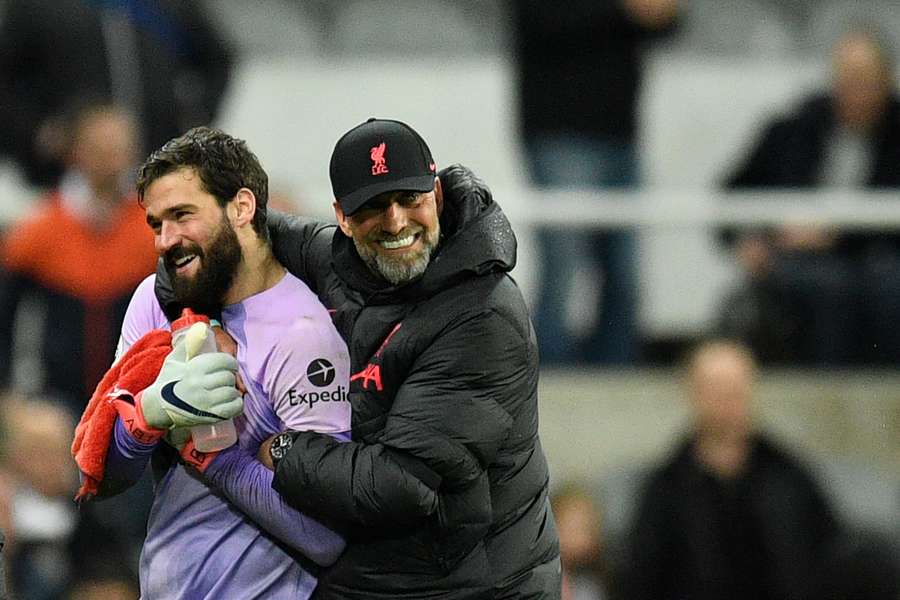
x: 571, y: 161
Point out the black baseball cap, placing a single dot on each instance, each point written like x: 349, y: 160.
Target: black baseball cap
x: 380, y: 155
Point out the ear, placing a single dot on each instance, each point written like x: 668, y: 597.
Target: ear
x: 342, y: 219
x: 242, y: 208
x: 438, y: 195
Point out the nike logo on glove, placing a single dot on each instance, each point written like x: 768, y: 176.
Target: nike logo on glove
x: 168, y: 394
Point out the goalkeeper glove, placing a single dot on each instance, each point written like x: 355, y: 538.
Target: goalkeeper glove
x: 192, y: 392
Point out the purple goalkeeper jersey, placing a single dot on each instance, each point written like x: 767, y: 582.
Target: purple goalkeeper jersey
x: 226, y: 540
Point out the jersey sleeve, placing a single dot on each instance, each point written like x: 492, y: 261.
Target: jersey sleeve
x: 309, y: 373
x: 143, y: 314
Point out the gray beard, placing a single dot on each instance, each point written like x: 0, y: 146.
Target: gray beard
x: 399, y: 272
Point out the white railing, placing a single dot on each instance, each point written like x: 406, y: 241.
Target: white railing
x: 701, y: 208
x: 684, y: 270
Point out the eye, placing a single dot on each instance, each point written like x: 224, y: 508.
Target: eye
x: 411, y: 199
x: 363, y: 214
x: 181, y: 215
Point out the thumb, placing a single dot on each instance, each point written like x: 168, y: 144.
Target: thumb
x: 178, y: 353
x: 210, y: 362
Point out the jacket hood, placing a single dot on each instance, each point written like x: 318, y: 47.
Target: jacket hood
x: 476, y: 239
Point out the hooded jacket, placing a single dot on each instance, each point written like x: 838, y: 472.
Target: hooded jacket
x: 443, y: 490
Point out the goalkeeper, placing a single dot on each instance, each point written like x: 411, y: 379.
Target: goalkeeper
x: 217, y: 529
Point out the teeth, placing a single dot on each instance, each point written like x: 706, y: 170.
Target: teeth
x: 399, y: 243
x: 184, y: 260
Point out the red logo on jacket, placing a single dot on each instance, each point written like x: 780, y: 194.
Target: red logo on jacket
x: 379, y: 167
x: 372, y: 371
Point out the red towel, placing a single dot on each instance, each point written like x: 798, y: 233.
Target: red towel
x: 135, y: 371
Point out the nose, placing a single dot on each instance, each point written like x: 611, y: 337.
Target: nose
x: 393, y: 219
x: 168, y: 237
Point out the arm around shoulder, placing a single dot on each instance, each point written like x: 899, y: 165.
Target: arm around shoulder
x: 349, y: 484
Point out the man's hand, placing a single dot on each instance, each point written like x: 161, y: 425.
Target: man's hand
x: 225, y: 343
x: 192, y: 392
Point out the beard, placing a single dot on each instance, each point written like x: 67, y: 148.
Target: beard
x: 203, y: 292
x: 399, y: 269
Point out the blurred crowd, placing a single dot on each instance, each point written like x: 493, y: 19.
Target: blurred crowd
x: 89, y: 87
x: 730, y: 512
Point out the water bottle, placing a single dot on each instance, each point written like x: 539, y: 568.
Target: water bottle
x: 198, y: 338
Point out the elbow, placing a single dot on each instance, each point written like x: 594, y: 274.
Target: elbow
x: 329, y: 553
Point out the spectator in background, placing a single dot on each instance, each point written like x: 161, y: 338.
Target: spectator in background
x: 160, y: 59
x: 46, y: 551
x: 730, y: 514
x: 81, y: 253
x: 812, y: 290
x: 580, y: 546
x: 579, y: 83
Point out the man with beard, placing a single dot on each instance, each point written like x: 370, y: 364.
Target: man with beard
x: 445, y: 371
x: 217, y: 529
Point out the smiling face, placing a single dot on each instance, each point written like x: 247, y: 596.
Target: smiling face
x: 396, y: 233
x: 193, y: 234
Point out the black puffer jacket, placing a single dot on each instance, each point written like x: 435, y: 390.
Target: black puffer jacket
x: 445, y: 371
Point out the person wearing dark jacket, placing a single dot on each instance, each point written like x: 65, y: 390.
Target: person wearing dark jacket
x: 165, y: 61
x: 833, y: 289
x: 579, y: 73
x: 729, y: 514
x: 444, y: 384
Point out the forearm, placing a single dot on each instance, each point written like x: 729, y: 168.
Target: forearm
x: 248, y: 486
x: 355, y: 485
x: 126, y: 460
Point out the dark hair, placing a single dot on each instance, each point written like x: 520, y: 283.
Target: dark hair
x: 225, y: 165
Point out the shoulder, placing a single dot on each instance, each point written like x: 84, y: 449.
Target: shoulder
x: 776, y: 455
x: 491, y: 299
x: 144, y: 313
x: 813, y: 112
x: 298, y: 304
x: 307, y: 364
x: 297, y: 324
x: 481, y: 322
x: 144, y: 294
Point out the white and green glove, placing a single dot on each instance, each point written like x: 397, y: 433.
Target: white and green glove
x: 192, y: 392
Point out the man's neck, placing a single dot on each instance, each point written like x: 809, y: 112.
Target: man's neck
x: 93, y: 205
x: 258, y: 271
x: 724, y: 455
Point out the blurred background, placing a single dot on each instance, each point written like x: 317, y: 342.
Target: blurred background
x: 705, y: 194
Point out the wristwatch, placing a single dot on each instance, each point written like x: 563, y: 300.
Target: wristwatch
x: 279, y: 447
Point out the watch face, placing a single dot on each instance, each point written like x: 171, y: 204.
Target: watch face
x: 280, y: 445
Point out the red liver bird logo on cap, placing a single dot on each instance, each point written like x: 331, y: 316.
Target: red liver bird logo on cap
x: 377, y: 154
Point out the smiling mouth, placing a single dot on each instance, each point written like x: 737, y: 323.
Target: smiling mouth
x: 184, y: 261
x: 398, y: 243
